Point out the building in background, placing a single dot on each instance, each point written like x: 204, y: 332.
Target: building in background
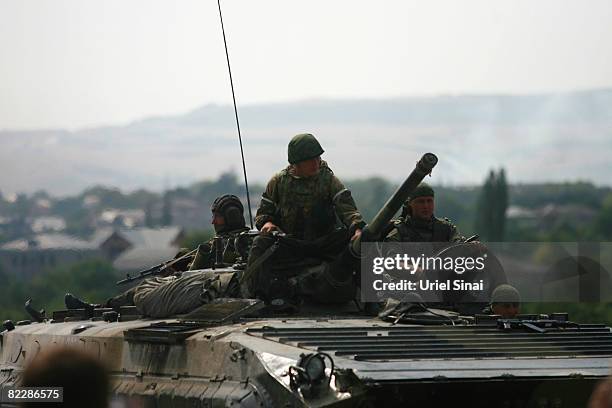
x: 30, y: 257
x: 138, y: 248
x: 127, y: 249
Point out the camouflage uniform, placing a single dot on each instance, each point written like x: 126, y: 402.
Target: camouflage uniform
x: 416, y: 230
x: 306, y: 208
x: 165, y: 296
x: 314, y: 211
x: 440, y: 237
x: 205, y: 256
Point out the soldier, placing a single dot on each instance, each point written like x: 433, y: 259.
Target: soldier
x: 418, y: 223
x: 168, y: 295
x: 228, y: 222
x: 436, y: 236
x: 505, y: 302
x: 304, y: 201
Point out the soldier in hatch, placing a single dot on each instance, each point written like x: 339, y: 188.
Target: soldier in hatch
x: 303, y: 201
x: 418, y: 223
x: 168, y: 295
x: 505, y: 302
x: 434, y: 236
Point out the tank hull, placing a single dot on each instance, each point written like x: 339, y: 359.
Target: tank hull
x: 246, y: 363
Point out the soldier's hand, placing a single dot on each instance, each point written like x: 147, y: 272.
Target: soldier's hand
x: 356, y: 235
x: 269, y: 227
x: 167, y: 270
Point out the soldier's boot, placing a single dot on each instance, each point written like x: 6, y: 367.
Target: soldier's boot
x: 73, y: 302
x: 123, y: 299
x: 281, y: 296
x: 37, y: 315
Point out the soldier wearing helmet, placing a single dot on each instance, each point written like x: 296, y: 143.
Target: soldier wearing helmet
x: 228, y: 214
x: 439, y: 237
x: 418, y: 223
x: 304, y: 199
x: 505, y: 302
x: 307, y: 202
x: 163, y: 296
x: 228, y: 222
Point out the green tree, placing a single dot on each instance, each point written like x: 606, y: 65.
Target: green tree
x: 166, y: 210
x: 603, y: 223
x: 93, y: 280
x: 491, y: 207
x: 500, y: 196
x: 370, y: 194
x: 149, y: 220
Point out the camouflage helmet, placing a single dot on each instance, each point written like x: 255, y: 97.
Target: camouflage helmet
x: 505, y: 293
x: 230, y: 207
x: 303, y: 147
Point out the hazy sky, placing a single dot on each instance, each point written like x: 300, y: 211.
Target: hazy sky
x: 82, y: 63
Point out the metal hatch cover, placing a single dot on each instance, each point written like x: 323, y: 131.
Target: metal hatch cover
x: 447, y: 342
x: 223, y: 310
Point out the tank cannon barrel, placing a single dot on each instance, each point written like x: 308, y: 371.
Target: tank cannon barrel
x: 374, y: 229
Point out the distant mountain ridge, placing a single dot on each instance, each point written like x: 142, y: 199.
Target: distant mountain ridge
x: 547, y: 137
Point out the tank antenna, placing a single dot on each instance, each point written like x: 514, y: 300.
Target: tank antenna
x: 246, y: 182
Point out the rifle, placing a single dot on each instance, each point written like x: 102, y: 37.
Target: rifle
x: 155, y: 270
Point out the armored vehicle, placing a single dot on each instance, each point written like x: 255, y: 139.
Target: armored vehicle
x: 232, y: 353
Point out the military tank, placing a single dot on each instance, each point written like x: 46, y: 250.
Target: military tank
x: 230, y: 353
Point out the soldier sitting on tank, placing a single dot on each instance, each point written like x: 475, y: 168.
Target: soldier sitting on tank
x: 168, y: 295
x: 418, y: 223
x: 228, y: 222
x: 305, y: 202
x: 436, y: 236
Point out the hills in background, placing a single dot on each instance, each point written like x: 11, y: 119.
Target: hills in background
x: 537, y: 138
